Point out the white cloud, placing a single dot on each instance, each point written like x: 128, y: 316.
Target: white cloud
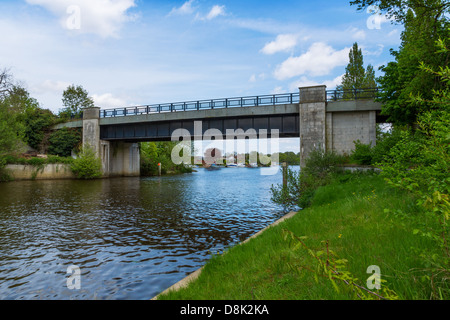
x: 358, y: 34
x: 283, y: 42
x: 186, y: 8
x: 107, y: 100
x: 278, y: 90
x: 319, y: 60
x: 50, y: 86
x: 215, y: 12
x: 377, y: 52
x: 102, y: 17
x: 305, y: 82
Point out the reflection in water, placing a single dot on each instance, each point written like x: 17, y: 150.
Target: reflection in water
x: 131, y: 237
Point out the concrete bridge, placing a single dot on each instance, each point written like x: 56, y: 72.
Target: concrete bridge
x: 330, y: 120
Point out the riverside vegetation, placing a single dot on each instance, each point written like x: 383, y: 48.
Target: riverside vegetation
x: 396, y: 220
x: 25, y: 126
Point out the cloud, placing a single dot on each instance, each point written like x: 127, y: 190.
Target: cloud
x: 107, y: 100
x: 215, y: 12
x: 358, y: 34
x: 102, y: 17
x: 319, y: 60
x: 283, y: 42
x: 186, y: 8
x: 254, y: 78
x: 305, y: 82
x: 50, y: 86
x: 278, y: 90
x: 377, y: 52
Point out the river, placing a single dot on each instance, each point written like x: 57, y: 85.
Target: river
x: 131, y: 238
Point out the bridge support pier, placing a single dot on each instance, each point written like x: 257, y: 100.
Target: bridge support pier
x: 119, y: 158
x: 312, y: 109
x: 333, y: 128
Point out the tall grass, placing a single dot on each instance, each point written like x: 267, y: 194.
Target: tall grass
x: 357, y: 217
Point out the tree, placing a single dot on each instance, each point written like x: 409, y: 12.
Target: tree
x: 63, y: 141
x: 75, y: 99
x: 6, y: 83
x: 404, y: 78
x: 398, y: 9
x: 425, y: 22
x: 356, y: 77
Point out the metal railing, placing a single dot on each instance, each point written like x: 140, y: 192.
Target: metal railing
x: 249, y: 101
x: 353, y: 94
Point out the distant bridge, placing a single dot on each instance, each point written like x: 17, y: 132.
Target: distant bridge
x: 329, y: 119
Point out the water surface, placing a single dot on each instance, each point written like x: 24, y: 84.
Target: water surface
x: 131, y: 237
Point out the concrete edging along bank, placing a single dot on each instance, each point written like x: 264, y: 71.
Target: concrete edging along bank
x: 193, y: 276
x: 51, y: 171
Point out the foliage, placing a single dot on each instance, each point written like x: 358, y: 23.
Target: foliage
x: 398, y: 10
x: 403, y: 77
x: 330, y: 266
x: 301, y: 185
x: 11, y: 129
x: 289, y: 157
x: 37, y: 122
x: 63, y: 141
x: 419, y: 163
x: 87, y: 165
x: 356, y: 77
x: 362, y: 154
x: 75, y: 99
x: 153, y: 153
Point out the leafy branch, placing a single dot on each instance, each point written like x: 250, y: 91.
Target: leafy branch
x: 331, y: 267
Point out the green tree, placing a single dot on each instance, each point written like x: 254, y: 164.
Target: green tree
x: 398, y: 9
x: 425, y: 22
x: 11, y: 129
x: 63, y: 141
x: 87, y: 165
x: 75, y: 99
x: 356, y: 77
x: 419, y: 163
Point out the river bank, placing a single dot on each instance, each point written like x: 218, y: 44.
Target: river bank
x: 353, y: 225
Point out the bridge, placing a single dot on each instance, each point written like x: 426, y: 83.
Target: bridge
x: 331, y: 120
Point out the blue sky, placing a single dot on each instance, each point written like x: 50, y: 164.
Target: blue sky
x: 134, y: 52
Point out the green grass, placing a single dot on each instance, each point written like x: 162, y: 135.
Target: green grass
x: 357, y: 216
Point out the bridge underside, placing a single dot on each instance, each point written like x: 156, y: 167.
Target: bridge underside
x: 287, y: 126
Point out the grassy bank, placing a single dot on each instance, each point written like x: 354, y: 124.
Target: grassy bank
x: 354, y: 218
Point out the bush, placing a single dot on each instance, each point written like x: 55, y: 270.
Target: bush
x: 87, y: 165
x: 63, y: 141
x: 319, y: 169
x: 362, y: 154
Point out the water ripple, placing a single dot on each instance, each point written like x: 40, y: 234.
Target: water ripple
x: 131, y: 237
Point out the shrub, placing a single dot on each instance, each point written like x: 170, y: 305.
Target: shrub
x: 319, y: 169
x: 63, y: 141
x: 87, y: 165
x: 362, y: 154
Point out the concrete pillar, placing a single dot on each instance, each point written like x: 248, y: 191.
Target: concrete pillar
x: 124, y: 159
x: 312, y: 120
x: 118, y: 158
x: 91, y: 128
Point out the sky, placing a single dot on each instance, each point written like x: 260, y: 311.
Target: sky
x: 136, y: 52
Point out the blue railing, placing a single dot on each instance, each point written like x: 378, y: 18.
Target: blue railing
x: 249, y: 101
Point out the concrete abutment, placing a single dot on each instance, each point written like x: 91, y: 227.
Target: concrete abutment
x: 119, y: 158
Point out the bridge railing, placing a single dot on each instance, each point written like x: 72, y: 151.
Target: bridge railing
x: 249, y: 101
x: 353, y: 94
